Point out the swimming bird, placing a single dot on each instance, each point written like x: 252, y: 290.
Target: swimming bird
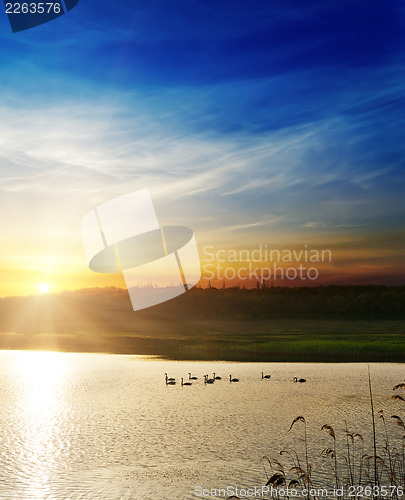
x: 266, y: 376
x: 171, y: 379
x: 208, y: 380
x: 191, y: 378
x: 233, y: 379
x: 295, y: 379
x: 217, y: 378
x: 185, y: 383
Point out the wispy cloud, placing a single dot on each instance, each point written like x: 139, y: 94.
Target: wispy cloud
x: 269, y: 220
x: 82, y: 154
x: 276, y: 120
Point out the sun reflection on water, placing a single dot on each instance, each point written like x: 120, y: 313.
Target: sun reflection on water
x: 42, y: 377
x: 75, y: 426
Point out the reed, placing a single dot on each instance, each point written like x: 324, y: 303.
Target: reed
x: 373, y: 421
x: 328, y: 452
x: 381, y: 468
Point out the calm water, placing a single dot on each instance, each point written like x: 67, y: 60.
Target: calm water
x: 95, y: 426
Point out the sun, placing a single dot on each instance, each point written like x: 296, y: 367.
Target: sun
x: 44, y: 287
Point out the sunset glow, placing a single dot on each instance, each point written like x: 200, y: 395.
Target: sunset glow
x: 202, y: 237
x: 228, y: 145
x: 43, y: 288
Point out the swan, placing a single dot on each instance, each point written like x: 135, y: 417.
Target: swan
x: 233, y: 379
x: 191, y: 378
x: 217, y: 378
x: 266, y: 376
x: 295, y: 379
x: 171, y: 379
x: 185, y: 383
x: 208, y: 380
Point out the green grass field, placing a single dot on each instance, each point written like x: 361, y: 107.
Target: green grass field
x: 298, y: 340
x: 269, y: 340
x: 313, y: 324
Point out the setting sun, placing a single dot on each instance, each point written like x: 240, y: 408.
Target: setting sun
x: 43, y: 287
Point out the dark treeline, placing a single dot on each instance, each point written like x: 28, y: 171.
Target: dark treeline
x: 321, y: 302
x: 345, y: 323
x: 110, y: 308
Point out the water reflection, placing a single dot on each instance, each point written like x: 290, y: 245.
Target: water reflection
x: 41, y: 378
x: 88, y: 426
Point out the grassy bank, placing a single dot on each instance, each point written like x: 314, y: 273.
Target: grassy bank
x: 300, y: 340
x: 317, y: 324
x: 268, y: 340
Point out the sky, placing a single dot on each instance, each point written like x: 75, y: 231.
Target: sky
x: 253, y: 123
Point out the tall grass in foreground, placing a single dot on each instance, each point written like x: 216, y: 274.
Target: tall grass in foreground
x: 355, y: 471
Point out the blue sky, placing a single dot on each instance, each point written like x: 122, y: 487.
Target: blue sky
x: 276, y: 122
